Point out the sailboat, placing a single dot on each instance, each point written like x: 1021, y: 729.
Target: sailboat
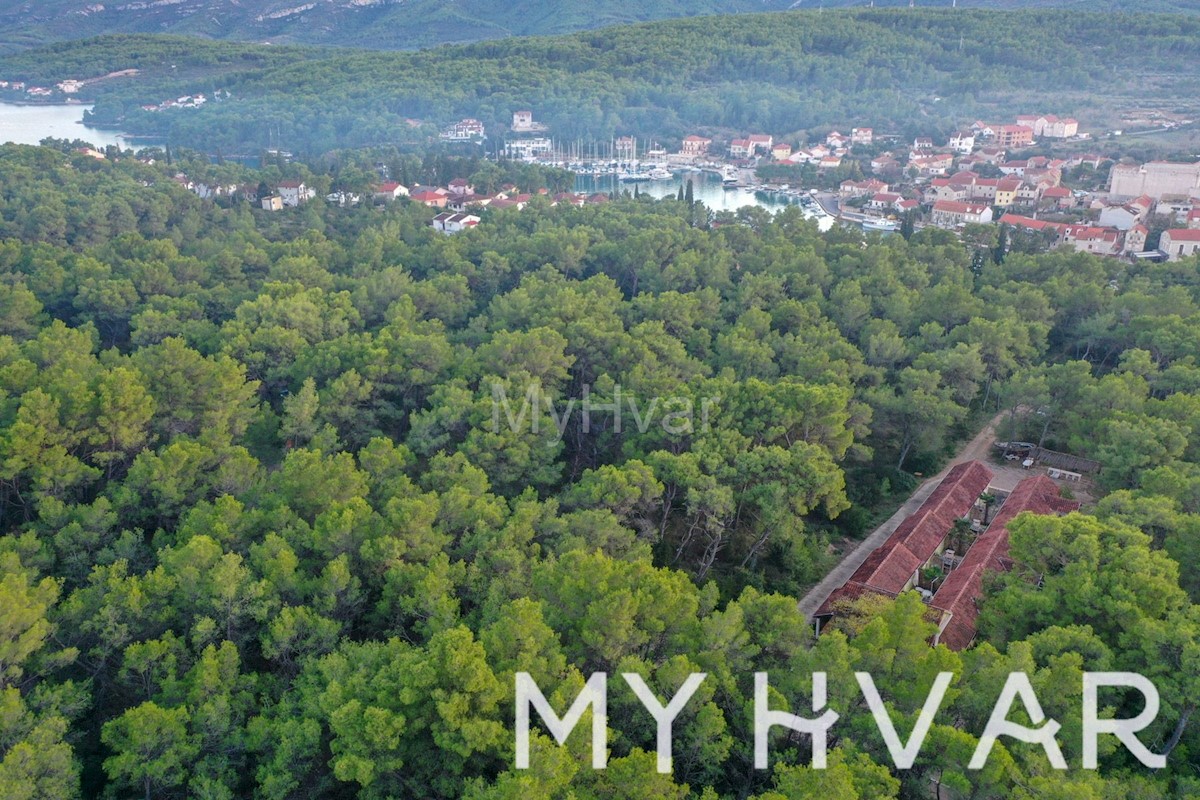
x: 632, y: 172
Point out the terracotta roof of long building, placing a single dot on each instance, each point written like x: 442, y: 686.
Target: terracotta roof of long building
x: 958, y: 596
x: 888, y: 569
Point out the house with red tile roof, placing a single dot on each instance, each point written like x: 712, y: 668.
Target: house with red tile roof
x: 1006, y: 192
x: 390, y: 190
x: 1092, y: 239
x: 958, y: 598
x: 885, y: 164
x: 946, y: 189
x: 952, y: 213
x: 430, y: 198
x: 1058, y: 197
x: 1014, y: 167
x: 1180, y: 243
x: 937, y: 164
x: 865, y: 188
x: 761, y: 142
x: 1135, y: 239
x: 992, y: 154
x: 884, y: 201
x: 569, y: 198
x: 694, y: 145
x: 837, y: 140
x: 295, y: 193
x: 1014, y: 136
x: 1031, y: 224
x: 1101, y: 241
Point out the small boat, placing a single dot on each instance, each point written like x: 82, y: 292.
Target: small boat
x: 634, y: 177
x: 880, y: 225
x: 729, y: 177
x: 659, y: 174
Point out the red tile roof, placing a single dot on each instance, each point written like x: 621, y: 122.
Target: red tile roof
x: 955, y: 207
x: 889, y: 568
x: 1183, y: 234
x: 1029, y: 222
x: 958, y: 596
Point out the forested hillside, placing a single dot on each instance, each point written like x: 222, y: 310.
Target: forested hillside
x: 907, y: 71
x: 265, y: 535
x: 411, y: 24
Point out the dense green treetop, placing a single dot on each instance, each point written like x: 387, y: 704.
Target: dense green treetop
x: 267, y: 534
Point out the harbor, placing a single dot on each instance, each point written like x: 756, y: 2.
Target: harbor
x: 710, y: 187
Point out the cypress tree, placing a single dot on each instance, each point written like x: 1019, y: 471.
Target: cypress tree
x: 1001, y: 245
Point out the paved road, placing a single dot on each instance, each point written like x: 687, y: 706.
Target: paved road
x: 976, y: 449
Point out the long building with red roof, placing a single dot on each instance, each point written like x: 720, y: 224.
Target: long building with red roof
x: 958, y: 597
x: 895, y: 565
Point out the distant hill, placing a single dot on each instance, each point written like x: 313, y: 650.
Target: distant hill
x: 1126, y: 6
x: 412, y: 24
x: 383, y: 24
x: 907, y: 72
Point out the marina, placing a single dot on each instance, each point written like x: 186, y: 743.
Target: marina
x: 712, y: 188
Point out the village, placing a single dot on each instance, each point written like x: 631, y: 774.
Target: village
x: 979, y: 175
